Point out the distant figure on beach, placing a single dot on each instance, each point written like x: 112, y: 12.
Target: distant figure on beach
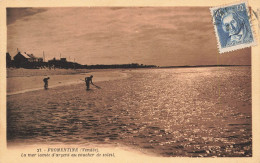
x: 88, y: 80
x: 45, y: 80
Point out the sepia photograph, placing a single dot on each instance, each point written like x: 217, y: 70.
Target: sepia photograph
x: 169, y: 81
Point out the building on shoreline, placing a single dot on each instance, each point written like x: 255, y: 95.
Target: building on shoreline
x: 8, y: 60
x: 24, y: 60
x: 24, y: 57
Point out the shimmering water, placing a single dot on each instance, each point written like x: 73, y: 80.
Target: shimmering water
x: 169, y: 112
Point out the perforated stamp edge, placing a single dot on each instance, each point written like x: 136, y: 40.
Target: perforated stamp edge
x: 236, y: 47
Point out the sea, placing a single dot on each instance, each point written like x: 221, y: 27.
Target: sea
x: 171, y: 112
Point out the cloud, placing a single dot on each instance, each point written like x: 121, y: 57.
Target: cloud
x: 98, y: 35
x: 14, y: 14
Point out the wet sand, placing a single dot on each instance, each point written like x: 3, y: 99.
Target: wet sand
x: 21, y: 72
x: 25, y: 81
x: 189, y: 112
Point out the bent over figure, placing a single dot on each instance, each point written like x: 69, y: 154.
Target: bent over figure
x: 45, y: 80
x: 88, y: 80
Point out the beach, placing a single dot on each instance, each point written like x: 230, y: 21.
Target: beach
x: 178, y: 112
x: 22, y: 80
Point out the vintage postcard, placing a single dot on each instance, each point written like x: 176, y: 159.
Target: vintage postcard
x: 129, y: 82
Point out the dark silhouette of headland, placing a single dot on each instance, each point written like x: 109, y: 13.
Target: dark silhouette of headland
x: 30, y: 61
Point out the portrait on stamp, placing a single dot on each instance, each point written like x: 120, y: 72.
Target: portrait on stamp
x: 238, y: 31
x: 232, y: 27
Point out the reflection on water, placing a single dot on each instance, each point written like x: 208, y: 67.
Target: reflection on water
x: 170, y: 112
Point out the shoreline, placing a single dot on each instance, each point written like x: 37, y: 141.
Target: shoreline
x: 22, y: 72
x: 27, y: 80
x: 35, y: 83
x: 18, y: 72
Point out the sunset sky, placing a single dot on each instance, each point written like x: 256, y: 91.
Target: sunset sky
x: 162, y: 36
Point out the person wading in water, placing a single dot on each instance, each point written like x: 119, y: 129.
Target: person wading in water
x: 45, y: 80
x: 88, y: 80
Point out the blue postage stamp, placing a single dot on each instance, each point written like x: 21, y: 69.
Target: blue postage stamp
x: 232, y: 27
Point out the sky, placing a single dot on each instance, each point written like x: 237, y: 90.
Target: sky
x: 162, y: 36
